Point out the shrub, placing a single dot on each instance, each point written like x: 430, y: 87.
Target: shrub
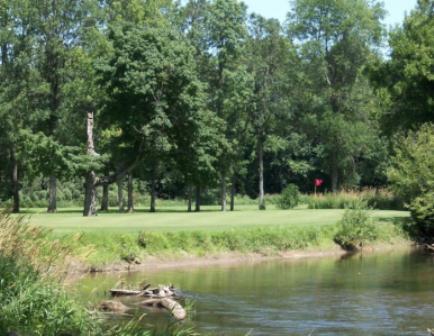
x: 289, y: 198
x: 422, y: 213
x: 355, y: 228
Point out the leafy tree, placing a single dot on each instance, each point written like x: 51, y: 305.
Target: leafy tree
x: 411, y: 173
x: 20, y: 90
x: 229, y: 81
x: 154, y: 93
x: 408, y: 74
x: 271, y: 58
x: 336, y: 40
x: 56, y: 25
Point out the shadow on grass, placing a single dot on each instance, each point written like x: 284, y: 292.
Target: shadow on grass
x: 117, y: 212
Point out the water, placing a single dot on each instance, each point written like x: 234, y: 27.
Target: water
x: 388, y: 294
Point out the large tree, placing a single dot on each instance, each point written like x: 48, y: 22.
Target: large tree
x: 229, y: 81
x: 336, y: 41
x: 154, y: 94
x: 408, y: 74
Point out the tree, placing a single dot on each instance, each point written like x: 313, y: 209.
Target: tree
x: 271, y: 58
x: 229, y: 82
x: 408, y: 74
x: 154, y: 93
x: 20, y: 90
x: 411, y: 172
x: 56, y: 27
x: 337, y: 40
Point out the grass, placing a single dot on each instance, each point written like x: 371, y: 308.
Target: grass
x: 33, y: 301
x: 174, y: 219
x: 172, y: 232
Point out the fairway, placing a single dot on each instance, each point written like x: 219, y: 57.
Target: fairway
x: 68, y: 221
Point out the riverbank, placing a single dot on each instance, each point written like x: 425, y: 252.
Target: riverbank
x: 116, y: 242
x: 76, y: 269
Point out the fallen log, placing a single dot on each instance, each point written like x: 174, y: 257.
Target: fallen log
x: 125, y: 292
x: 159, y: 292
x: 171, y: 305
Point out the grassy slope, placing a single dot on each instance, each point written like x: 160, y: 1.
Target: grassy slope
x: 172, y: 232
x: 174, y: 219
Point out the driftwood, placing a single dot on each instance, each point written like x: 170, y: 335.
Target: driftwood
x: 159, y: 292
x: 161, y: 297
x: 171, y: 305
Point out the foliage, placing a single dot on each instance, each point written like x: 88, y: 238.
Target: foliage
x: 422, y: 212
x: 411, y: 173
x: 33, y: 301
x: 185, y: 96
x: 356, y: 228
x: 376, y: 199
x: 408, y: 75
x: 289, y: 198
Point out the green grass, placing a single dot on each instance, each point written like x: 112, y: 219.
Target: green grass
x: 174, y: 219
x: 172, y: 232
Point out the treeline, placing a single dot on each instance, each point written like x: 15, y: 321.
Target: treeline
x: 200, y: 96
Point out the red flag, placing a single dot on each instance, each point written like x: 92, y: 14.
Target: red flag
x: 318, y: 182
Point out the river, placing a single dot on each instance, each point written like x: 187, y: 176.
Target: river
x: 381, y: 294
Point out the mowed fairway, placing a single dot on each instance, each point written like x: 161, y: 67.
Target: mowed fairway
x: 67, y: 221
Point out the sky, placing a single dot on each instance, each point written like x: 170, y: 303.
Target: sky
x: 396, y: 9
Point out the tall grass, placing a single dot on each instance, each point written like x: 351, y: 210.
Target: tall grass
x: 99, y: 249
x: 31, y: 296
x: 376, y: 199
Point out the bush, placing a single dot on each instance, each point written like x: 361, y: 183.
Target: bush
x: 355, y: 228
x: 289, y: 198
x: 422, y: 213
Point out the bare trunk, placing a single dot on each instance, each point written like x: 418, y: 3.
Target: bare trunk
x: 197, y: 208
x: 90, y: 195
x: 232, y: 206
x: 223, y: 192
x: 15, y: 185
x: 153, y: 195
x: 52, y: 194
x: 105, y: 197
x: 261, y: 175
x: 89, y: 208
x: 130, y: 193
x: 190, y: 196
x: 121, y: 203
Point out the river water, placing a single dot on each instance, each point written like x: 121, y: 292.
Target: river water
x: 384, y: 294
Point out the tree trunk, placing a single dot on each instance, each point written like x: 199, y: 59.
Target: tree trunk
x: 334, y: 177
x: 52, y: 194
x: 105, y: 197
x: 89, y: 208
x: 197, y: 209
x: 130, y: 193
x: 190, y: 196
x: 153, y: 195
x: 232, y: 206
x: 90, y: 195
x: 223, y: 192
x: 15, y: 185
x: 261, y: 175
x: 121, y: 203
